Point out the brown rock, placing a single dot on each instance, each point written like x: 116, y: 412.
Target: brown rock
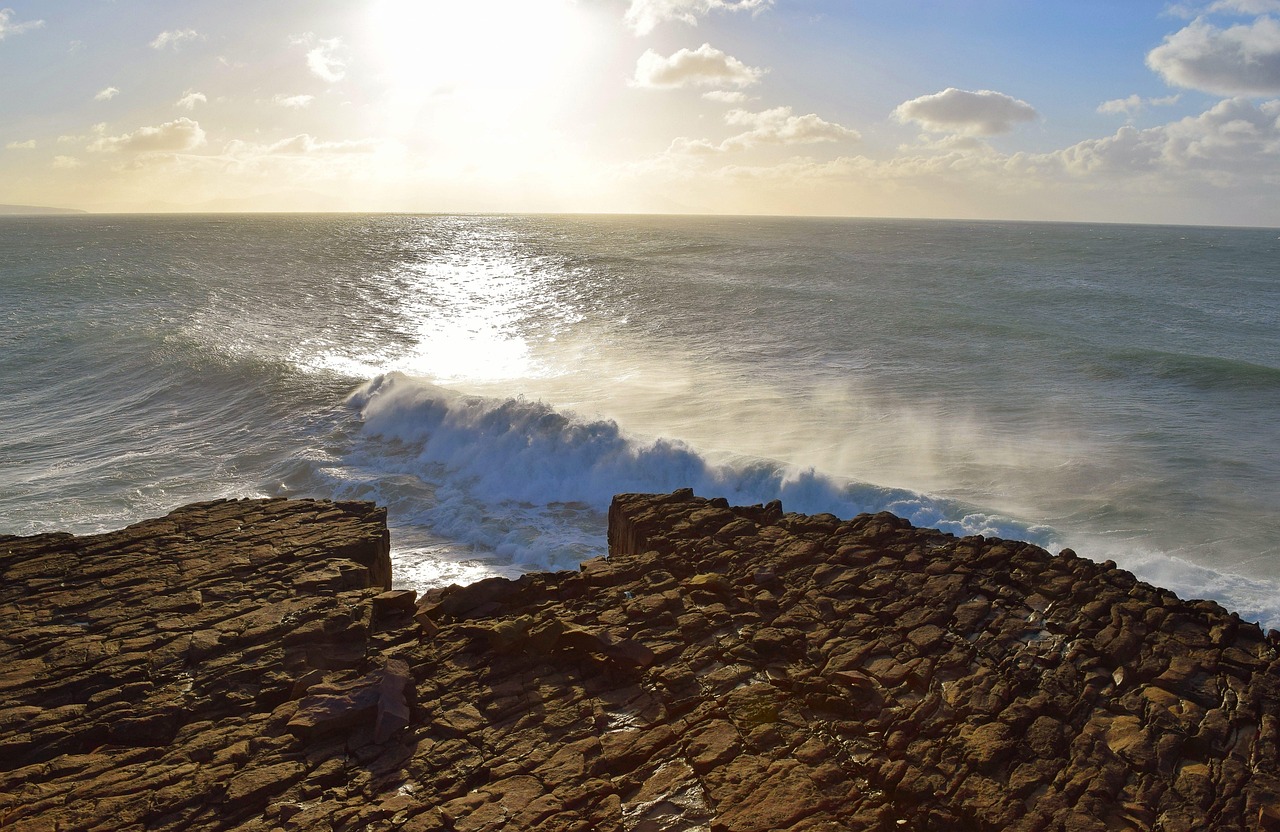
x: 255, y: 785
x: 242, y: 665
x: 987, y: 743
x: 393, y: 709
x: 780, y: 795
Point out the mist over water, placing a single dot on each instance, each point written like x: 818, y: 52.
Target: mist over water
x: 494, y: 380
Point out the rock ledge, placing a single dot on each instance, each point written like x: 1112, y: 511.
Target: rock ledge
x: 243, y: 665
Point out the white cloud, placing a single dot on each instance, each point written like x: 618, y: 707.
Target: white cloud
x: 1234, y: 137
x: 643, y: 15
x: 7, y: 27
x: 1240, y: 60
x: 1245, y: 6
x: 726, y: 96
x: 1222, y: 165
x: 66, y: 162
x: 294, y: 102
x: 323, y: 60
x: 302, y: 158
x: 981, y: 113
x: 704, y: 66
x: 683, y: 146
x: 947, y: 143
x: 29, y: 144
x: 107, y: 94
x: 1122, y: 106
x: 1130, y: 150
x: 170, y: 137
x: 777, y: 126
x: 96, y: 131
x: 1135, y: 104
x: 174, y: 38
x: 190, y: 99
x: 302, y: 144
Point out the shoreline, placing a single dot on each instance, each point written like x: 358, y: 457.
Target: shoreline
x: 245, y: 664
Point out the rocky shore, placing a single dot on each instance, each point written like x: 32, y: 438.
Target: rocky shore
x: 245, y: 665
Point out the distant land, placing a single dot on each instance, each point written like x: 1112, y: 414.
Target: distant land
x: 37, y: 209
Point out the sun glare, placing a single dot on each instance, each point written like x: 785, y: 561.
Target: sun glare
x: 503, y: 50
x: 490, y: 88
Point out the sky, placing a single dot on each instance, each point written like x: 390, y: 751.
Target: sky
x: 1080, y: 110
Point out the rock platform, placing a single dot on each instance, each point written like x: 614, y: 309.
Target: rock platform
x: 245, y: 665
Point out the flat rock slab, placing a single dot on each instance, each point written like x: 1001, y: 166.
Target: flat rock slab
x: 723, y: 669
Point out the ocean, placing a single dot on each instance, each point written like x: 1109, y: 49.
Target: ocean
x: 494, y: 380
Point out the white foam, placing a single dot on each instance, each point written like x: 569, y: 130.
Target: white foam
x: 530, y: 483
x: 511, y: 482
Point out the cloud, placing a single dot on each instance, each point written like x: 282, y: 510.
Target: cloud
x: 704, y: 66
x: 643, y: 15
x: 1233, y: 138
x: 305, y: 156
x: 7, y: 27
x: 1130, y: 150
x: 174, y: 38
x: 683, y: 146
x: 107, y: 94
x: 1122, y: 106
x: 302, y: 144
x: 1245, y: 6
x: 170, y: 137
x: 726, y: 96
x: 323, y: 59
x: 947, y: 143
x: 981, y: 113
x: 1222, y: 165
x: 1135, y: 104
x: 29, y: 144
x: 190, y: 99
x: 777, y: 126
x: 294, y: 102
x: 66, y: 162
x: 1240, y: 60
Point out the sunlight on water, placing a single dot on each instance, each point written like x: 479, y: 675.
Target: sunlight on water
x: 471, y: 316
x: 422, y: 569
x: 465, y: 313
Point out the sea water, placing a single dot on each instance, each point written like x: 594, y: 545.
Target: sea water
x: 494, y: 380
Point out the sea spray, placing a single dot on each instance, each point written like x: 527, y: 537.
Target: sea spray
x: 532, y: 483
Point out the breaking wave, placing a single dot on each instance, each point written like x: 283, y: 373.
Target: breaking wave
x: 532, y: 483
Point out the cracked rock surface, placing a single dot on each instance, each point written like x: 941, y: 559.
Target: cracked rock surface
x: 242, y: 665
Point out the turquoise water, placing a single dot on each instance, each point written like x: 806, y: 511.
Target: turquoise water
x: 494, y: 380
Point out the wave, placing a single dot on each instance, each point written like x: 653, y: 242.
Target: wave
x: 1202, y: 372
x: 521, y: 483
x: 531, y: 483
x: 116, y: 424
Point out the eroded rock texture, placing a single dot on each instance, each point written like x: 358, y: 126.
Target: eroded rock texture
x: 724, y: 670
x: 143, y: 672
